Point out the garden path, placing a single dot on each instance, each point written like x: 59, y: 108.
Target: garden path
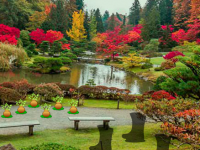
x: 60, y: 120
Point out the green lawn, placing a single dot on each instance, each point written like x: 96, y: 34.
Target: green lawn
x: 84, y: 138
x: 110, y: 104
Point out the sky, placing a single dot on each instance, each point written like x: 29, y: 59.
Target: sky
x: 113, y: 6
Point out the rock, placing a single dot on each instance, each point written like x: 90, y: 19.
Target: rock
x: 7, y: 147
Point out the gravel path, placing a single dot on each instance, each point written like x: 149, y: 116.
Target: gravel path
x: 60, y: 120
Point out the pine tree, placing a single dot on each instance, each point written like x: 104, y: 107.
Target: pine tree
x: 57, y: 18
x: 86, y: 24
x: 105, y: 18
x: 134, y: 15
x: 77, y: 33
x: 150, y: 4
x: 151, y: 25
x: 80, y: 4
x: 166, y: 8
x: 93, y: 25
x: 118, y: 16
x: 124, y: 21
x: 111, y: 23
x: 99, y: 21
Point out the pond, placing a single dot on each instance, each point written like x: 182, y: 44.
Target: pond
x: 81, y: 73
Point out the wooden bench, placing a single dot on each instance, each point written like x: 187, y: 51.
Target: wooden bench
x: 105, y: 120
x: 20, y: 124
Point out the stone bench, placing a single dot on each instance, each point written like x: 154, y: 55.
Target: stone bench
x: 20, y: 124
x: 105, y: 120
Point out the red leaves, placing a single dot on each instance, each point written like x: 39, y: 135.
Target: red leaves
x: 111, y: 41
x: 9, y: 34
x: 171, y: 55
x: 39, y: 36
x: 159, y: 95
x: 186, y: 113
x: 65, y: 46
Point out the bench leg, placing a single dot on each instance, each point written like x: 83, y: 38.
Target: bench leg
x: 31, y: 130
x: 106, y: 124
x: 76, y: 124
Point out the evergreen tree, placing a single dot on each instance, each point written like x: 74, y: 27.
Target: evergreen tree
x: 150, y: 4
x: 57, y: 19
x: 105, y: 19
x: 134, y: 15
x: 86, y: 24
x: 118, y: 16
x: 166, y: 8
x: 99, y: 21
x: 151, y: 25
x: 80, y: 4
x: 93, y: 25
x: 111, y: 23
x: 124, y: 21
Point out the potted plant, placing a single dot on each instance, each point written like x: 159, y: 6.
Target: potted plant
x: 46, y: 108
x: 6, y: 109
x: 73, y: 104
x: 21, y: 105
x: 58, y: 101
x: 34, y: 98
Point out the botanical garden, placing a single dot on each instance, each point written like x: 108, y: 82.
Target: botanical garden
x: 138, y: 73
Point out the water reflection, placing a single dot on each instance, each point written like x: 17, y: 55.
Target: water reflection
x: 80, y: 73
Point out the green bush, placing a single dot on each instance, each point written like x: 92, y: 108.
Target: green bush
x: 152, y: 46
x: 158, y: 69
x: 159, y: 80
x: 70, y: 55
x: 66, y: 60
x: 92, y: 46
x: 78, y: 51
x: 147, y: 65
x: 107, y: 60
x: 49, y: 146
x: 24, y: 36
x: 29, y: 53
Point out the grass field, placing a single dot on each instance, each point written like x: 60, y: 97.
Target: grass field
x: 110, y: 104
x: 84, y: 138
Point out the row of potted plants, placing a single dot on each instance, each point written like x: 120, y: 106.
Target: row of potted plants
x: 34, y: 104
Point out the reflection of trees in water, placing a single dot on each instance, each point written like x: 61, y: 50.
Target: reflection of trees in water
x: 80, y: 73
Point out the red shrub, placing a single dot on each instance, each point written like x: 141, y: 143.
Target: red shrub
x: 9, y: 95
x: 159, y: 95
x: 171, y: 56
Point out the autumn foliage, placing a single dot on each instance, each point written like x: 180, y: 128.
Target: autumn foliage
x: 171, y: 56
x: 111, y: 42
x: 39, y: 36
x: 9, y: 34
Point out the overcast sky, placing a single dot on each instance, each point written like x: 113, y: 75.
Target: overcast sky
x: 113, y: 6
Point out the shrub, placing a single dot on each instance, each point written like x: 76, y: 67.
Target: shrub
x: 23, y: 87
x: 10, y: 51
x: 152, y: 46
x: 70, y: 55
x: 64, y: 69
x: 159, y: 80
x: 159, y: 95
x: 24, y: 36
x: 158, y: 69
x: 107, y: 60
x: 49, y: 146
x: 167, y: 65
x: 78, y: 51
x: 92, y: 46
x: 147, y: 65
x: 9, y: 95
x: 66, y: 60
x: 48, y: 90
x: 172, y: 56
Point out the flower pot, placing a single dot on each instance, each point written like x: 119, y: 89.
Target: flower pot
x: 21, y: 109
x: 58, y: 105
x: 46, y: 113
x: 7, y: 113
x: 34, y: 103
x: 73, y: 109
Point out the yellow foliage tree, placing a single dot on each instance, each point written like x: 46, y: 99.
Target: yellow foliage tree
x: 36, y: 20
x: 133, y: 60
x: 77, y: 33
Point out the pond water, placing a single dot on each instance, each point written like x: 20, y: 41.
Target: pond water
x: 81, y: 73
